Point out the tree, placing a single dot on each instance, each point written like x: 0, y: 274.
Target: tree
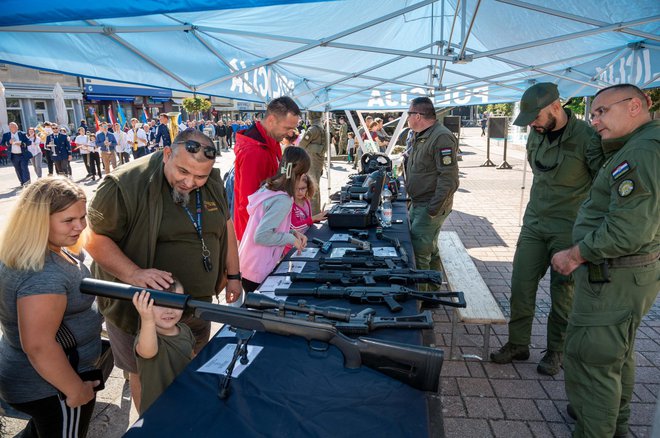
x: 576, y: 105
x: 500, y: 109
x: 196, y: 105
x: 654, y: 93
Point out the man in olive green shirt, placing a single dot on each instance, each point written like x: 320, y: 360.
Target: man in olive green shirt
x: 431, y: 180
x: 564, y: 154
x: 163, y: 215
x: 615, y: 263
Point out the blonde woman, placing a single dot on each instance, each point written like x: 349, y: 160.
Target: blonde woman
x: 40, y: 304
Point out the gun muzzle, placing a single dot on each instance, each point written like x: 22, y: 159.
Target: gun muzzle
x: 120, y: 291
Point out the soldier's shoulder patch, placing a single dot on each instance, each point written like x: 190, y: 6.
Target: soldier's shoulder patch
x: 626, y: 187
x: 446, y: 160
x: 620, y: 170
x: 445, y: 151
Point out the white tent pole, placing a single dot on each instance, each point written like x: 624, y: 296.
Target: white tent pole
x: 577, y: 18
x: 397, y: 131
x: 339, y: 72
x: 358, y: 74
x: 618, y: 56
x: 365, y: 88
x: 349, y: 116
x: 144, y: 56
x: 570, y: 36
x: 318, y: 43
x: 451, y: 34
x: 461, y: 52
x: 327, y: 137
x: 526, y: 69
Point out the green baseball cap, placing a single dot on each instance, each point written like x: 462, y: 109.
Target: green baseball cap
x: 536, y: 98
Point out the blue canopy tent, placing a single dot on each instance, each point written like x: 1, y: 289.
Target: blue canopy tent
x: 347, y: 54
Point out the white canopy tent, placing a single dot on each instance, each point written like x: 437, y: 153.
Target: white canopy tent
x: 349, y: 54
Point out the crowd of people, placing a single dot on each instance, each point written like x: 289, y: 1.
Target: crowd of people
x: 590, y: 184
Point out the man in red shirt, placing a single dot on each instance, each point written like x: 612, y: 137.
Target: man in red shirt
x: 258, y: 154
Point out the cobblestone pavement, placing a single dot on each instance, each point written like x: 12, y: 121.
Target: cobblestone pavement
x: 478, y: 399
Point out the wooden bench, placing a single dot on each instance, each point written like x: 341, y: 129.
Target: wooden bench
x: 462, y: 276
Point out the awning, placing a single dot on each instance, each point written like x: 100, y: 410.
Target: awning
x: 109, y: 97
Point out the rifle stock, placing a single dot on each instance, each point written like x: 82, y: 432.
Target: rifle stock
x: 414, y: 365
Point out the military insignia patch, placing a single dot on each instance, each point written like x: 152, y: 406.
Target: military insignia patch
x: 446, y: 160
x: 210, y: 206
x: 626, y: 187
x: 620, y: 170
x: 445, y: 151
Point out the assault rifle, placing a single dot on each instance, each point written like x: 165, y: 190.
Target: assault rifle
x: 347, y: 278
x: 376, y: 295
x: 362, y: 262
x: 414, y: 365
x: 363, y: 323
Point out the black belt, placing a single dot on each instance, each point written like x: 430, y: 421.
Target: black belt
x: 633, y: 261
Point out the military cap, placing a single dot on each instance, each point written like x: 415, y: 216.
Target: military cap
x: 536, y: 98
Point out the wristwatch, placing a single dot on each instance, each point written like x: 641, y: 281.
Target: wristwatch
x: 234, y: 276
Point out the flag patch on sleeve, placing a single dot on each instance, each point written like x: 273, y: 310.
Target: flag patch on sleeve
x: 445, y: 151
x: 620, y: 170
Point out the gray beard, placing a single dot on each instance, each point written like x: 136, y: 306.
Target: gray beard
x: 180, y: 198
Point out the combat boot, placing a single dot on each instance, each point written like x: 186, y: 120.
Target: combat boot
x: 510, y: 352
x: 550, y: 364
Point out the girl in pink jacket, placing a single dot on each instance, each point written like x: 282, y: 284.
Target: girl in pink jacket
x: 268, y: 230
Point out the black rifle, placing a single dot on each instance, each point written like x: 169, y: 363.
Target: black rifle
x: 414, y: 365
x: 347, y: 278
x: 363, y: 323
x: 376, y: 295
x: 362, y: 262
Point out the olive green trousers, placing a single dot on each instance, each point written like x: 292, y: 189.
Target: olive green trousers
x: 531, y: 261
x: 599, y: 359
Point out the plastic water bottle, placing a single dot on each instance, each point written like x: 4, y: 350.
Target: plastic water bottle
x: 387, y: 207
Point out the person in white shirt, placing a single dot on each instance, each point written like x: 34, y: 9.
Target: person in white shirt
x: 123, y: 148
x: 82, y: 143
x: 136, y: 139
x: 35, y: 150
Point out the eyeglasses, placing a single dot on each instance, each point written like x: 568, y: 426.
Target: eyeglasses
x: 193, y: 147
x: 602, y: 110
x: 301, y: 189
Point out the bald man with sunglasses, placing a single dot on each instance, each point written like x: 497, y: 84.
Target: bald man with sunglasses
x: 160, y: 217
x: 564, y: 154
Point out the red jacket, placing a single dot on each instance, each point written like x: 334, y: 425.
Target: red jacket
x: 257, y: 158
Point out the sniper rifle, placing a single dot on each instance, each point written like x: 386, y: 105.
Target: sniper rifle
x: 414, y: 365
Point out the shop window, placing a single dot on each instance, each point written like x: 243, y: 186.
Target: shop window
x: 15, y: 113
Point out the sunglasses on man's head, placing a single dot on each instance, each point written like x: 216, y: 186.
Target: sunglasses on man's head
x: 193, y: 147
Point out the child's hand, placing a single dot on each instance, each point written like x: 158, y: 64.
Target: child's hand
x: 300, y: 244
x: 320, y: 216
x: 144, y: 305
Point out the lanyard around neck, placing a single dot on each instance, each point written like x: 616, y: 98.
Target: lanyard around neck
x: 196, y: 223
